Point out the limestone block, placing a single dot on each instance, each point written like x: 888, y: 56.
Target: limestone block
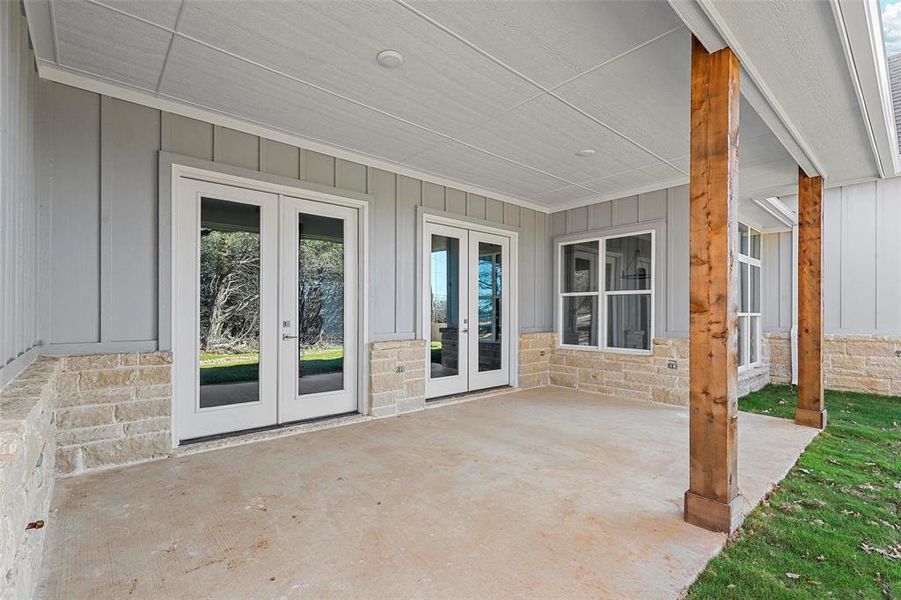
x: 84, y: 416
x: 92, y: 361
x: 107, y: 378
x: 142, y: 409
x: 126, y: 450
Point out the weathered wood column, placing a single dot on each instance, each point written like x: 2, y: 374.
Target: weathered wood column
x: 713, y: 500
x: 811, y: 410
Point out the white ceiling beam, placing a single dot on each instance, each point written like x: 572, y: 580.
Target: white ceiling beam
x: 713, y: 31
x: 860, y: 28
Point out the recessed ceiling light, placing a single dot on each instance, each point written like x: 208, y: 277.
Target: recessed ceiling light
x: 585, y: 153
x: 390, y: 59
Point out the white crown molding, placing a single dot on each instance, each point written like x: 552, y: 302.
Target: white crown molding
x: 643, y: 189
x: 92, y: 83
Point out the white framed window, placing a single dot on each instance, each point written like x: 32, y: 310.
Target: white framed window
x: 605, y: 292
x: 749, y: 244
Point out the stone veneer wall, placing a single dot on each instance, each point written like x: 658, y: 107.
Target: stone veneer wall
x: 26, y: 474
x: 396, y: 377
x: 777, y: 353
x: 661, y: 376
x: 112, y: 409
x: 535, y: 351
x: 859, y: 363
x: 853, y: 363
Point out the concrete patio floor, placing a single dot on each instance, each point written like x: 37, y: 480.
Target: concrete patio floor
x: 542, y: 493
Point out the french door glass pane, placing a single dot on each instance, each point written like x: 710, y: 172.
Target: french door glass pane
x: 580, y: 267
x: 490, y: 287
x: 755, y: 244
x: 629, y: 262
x: 742, y: 337
x: 580, y: 320
x: 754, y: 335
x: 229, y: 303
x: 744, y: 239
x: 629, y: 321
x: 444, y: 335
x: 755, y: 289
x: 743, y: 302
x: 320, y: 304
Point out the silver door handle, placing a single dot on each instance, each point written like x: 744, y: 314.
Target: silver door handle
x: 286, y: 336
x: 464, y: 331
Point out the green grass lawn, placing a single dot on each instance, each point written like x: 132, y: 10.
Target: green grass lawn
x: 832, y: 529
x: 246, y: 367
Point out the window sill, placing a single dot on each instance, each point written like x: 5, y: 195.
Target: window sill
x: 630, y: 351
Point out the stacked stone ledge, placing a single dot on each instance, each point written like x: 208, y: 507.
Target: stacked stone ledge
x: 26, y: 474
x: 112, y: 409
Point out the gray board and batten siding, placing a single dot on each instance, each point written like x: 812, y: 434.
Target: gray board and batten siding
x: 861, y: 257
x: 104, y: 206
x: 21, y: 243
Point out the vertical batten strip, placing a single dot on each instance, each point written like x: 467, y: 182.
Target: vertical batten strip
x: 713, y: 500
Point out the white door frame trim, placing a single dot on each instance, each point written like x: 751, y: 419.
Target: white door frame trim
x: 425, y: 215
x: 178, y: 171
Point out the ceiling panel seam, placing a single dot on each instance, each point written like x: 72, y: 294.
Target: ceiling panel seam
x: 159, y: 81
x: 528, y: 79
x: 615, y: 131
x: 575, y: 77
x: 53, y: 30
x: 616, y: 58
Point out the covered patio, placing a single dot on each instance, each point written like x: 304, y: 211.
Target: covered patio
x: 543, y: 492
x: 469, y: 253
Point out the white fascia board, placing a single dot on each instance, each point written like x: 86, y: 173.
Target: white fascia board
x: 859, y: 25
x: 698, y: 24
x: 92, y: 83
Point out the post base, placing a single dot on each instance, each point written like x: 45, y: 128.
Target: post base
x: 713, y: 514
x: 811, y: 418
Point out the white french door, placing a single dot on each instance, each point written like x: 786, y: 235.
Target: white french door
x: 265, y: 309
x: 225, y: 256
x: 466, y: 316
x: 318, y: 373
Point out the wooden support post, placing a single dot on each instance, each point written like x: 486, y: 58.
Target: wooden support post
x: 811, y: 411
x: 713, y: 500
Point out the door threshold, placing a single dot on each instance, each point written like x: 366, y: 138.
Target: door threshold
x: 268, y: 432
x: 467, y: 396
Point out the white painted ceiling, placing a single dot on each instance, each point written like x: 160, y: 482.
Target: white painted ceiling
x: 496, y: 95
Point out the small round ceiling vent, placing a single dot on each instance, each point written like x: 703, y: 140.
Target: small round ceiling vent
x: 390, y: 59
